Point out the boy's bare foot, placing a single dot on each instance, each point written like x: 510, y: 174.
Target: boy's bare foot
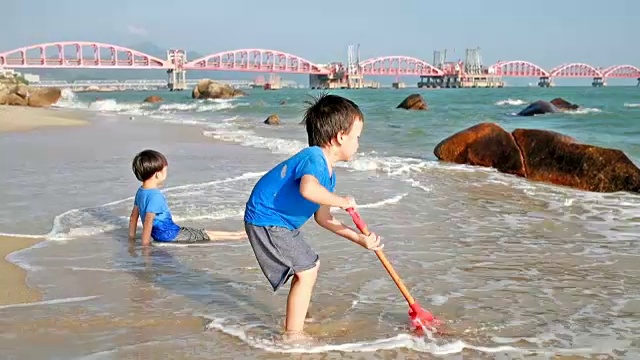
x: 309, y: 317
x: 299, y: 338
x: 226, y: 235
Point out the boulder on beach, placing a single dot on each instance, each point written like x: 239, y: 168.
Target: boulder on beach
x: 542, y: 155
x: 209, y: 89
x: 13, y: 92
x: 413, y: 102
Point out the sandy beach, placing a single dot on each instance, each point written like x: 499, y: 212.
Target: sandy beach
x: 22, y: 118
x: 13, y: 287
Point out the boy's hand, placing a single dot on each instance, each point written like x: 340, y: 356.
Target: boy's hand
x: 371, y: 242
x: 349, y: 202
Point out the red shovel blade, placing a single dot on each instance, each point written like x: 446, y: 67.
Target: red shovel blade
x: 422, y: 319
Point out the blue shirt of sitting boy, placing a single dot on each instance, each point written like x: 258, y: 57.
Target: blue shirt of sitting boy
x: 150, y: 205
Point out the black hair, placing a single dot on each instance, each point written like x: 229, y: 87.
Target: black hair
x: 147, y: 163
x: 327, y: 116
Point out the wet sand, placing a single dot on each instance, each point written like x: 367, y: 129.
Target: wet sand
x: 22, y: 118
x: 13, y: 286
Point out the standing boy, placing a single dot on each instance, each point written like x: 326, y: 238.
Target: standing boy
x: 297, y: 188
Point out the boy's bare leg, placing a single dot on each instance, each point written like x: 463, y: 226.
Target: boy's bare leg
x: 308, y: 318
x: 226, y: 235
x: 298, y: 302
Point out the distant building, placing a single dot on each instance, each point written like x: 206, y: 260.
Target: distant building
x: 7, y: 72
x: 32, y: 78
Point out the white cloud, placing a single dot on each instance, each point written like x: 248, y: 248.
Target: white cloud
x: 137, y: 30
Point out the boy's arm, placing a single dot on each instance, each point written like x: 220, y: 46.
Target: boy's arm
x: 147, y: 225
x: 324, y: 218
x: 133, y: 222
x: 313, y: 191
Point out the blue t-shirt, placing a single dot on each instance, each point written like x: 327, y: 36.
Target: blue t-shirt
x: 276, y: 199
x: 153, y: 201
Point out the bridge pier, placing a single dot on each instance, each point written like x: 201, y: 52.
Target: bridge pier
x: 545, y: 81
x: 598, y: 82
x: 638, y: 82
x: 177, y: 77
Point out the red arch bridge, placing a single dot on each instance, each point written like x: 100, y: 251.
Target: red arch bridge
x: 94, y: 55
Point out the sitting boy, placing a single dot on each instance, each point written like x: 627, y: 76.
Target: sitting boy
x: 294, y: 190
x: 150, y: 205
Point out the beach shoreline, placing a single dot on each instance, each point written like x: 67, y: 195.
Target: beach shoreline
x: 22, y: 118
x: 13, y: 282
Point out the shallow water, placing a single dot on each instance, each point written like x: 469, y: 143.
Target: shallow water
x: 518, y: 269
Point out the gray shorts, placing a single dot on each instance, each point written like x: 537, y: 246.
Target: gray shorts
x: 280, y: 252
x: 191, y: 235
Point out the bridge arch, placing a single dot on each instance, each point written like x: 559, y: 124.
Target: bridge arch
x: 256, y: 60
x: 518, y: 68
x: 576, y: 70
x: 74, y: 54
x: 398, y: 65
x: 621, y: 71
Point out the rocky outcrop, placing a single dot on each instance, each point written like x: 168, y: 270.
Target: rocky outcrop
x: 543, y: 107
x: 542, y: 155
x: 273, y: 119
x: 413, y: 102
x: 14, y: 93
x: 153, y: 99
x: 209, y: 89
x: 485, y: 144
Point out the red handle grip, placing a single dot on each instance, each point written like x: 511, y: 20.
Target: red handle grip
x: 360, y: 224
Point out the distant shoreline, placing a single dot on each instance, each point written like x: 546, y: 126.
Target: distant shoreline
x: 22, y: 118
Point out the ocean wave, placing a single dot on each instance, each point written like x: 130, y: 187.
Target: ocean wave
x: 107, y: 105
x: 510, y: 102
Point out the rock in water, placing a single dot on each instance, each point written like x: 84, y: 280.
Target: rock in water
x: 542, y: 155
x: 208, y: 89
x: 273, y: 119
x: 555, y: 158
x: 537, y: 108
x: 484, y: 144
x: 543, y: 107
x: 153, y: 99
x: 563, y: 104
x: 413, y: 102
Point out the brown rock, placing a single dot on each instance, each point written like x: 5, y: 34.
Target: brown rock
x: 22, y: 90
x: 208, y: 89
x: 559, y: 159
x: 413, y: 102
x: 563, y: 104
x: 153, y: 99
x: 273, y: 119
x: 43, y: 97
x: 15, y: 99
x: 484, y: 144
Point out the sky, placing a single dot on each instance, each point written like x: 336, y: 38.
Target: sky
x: 545, y: 32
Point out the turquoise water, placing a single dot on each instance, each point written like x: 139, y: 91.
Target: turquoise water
x: 609, y: 116
x: 518, y: 269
